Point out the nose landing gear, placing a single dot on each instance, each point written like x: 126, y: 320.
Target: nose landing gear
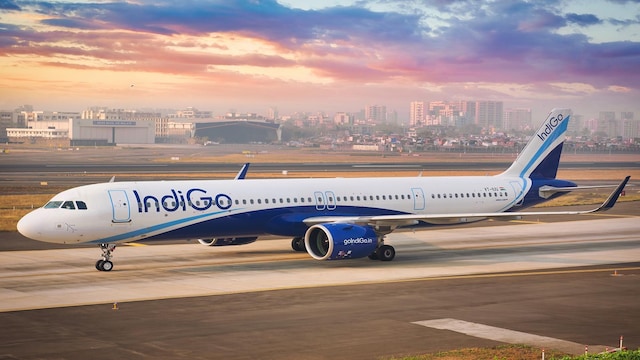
x: 105, y: 263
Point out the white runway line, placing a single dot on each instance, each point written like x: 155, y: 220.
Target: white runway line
x: 508, y: 336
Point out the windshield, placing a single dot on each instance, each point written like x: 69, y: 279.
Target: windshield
x: 53, y: 204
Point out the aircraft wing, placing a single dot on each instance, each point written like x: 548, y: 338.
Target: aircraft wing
x: 413, y: 219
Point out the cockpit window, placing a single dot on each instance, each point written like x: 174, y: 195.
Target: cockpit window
x: 68, y: 205
x: 81, y: 205
x: 53, y: 204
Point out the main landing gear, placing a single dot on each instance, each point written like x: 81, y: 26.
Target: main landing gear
x: 105, y: 263
x: 383, y: 253
x: 297, y: 244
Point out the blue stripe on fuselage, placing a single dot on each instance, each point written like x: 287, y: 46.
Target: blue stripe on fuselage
x: 286, y: 221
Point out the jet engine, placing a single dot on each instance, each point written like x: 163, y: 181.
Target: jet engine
x: 336, y: 241
x: 227, y: 241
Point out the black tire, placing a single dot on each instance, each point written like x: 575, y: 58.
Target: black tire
x: 386, y: 253
x: 99, y: 265
x: 107, y: 266
x: 373, y: 255
x: 297, y: 244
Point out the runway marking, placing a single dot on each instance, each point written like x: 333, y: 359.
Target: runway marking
x: 505, y: 335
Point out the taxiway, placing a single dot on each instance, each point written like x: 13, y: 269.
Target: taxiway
x: 554, y: 280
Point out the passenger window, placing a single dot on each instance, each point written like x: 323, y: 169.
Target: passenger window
x: 81, y: 205
x: 68, y: 205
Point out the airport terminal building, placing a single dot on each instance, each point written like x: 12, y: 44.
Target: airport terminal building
x: 102, y: 127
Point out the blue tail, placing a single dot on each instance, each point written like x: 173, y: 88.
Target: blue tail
x: 541, y: 156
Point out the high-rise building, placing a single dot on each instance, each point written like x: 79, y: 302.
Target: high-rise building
x: 630, y: 127
x: 607, y: 123
x: 417, y: 114
x: 343, y: 118
x: 446, y: 113
x: 376, y: 113
x: 272, y: 113
x: 517, y: 119
x: 489, y: 114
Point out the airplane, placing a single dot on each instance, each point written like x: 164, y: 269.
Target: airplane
x: 329, y: 218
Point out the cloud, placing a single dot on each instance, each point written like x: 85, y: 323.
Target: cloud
x: 444, y: 43
x: 583, y: 19
x: 8, y: 5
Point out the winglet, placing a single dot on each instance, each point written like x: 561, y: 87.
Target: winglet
x: 613, y: 197
x: 243, y: 172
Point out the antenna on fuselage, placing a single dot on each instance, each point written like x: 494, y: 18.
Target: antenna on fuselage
x: 113, y: 179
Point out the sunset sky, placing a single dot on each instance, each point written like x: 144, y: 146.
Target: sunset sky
x: 320, y: 55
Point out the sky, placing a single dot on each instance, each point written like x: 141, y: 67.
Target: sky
x: 319, y: 55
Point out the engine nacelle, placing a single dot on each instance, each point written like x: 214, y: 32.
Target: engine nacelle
x: 227, y: 241
x: 336, y: 241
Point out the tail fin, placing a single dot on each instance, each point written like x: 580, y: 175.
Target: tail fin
x: 541, y: 155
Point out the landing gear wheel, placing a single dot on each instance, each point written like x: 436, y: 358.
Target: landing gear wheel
x: 297, y: 244
x: 386, y: 253
x: 374, y: 255
x: 107, y: 265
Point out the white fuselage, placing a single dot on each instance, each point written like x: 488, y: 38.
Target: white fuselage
x: 130, y: 211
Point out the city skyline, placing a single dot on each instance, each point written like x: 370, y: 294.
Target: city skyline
x: 335, y: 56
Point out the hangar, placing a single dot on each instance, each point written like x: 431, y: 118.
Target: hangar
x: 103, y: 132
x: 239, y: 132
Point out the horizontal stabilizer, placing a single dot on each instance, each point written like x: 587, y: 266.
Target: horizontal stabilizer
x: 548, y: 191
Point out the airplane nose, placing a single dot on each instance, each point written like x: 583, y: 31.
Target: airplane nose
x: 28, y: 227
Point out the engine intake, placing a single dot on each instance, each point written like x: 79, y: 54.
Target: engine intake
x: 336, y: 241
x: 227, y: 241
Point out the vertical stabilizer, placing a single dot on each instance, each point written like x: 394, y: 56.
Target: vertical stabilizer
x: 541, y: 156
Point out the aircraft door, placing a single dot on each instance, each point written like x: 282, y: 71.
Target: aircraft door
x: 331, y: 200
x: 320, y: 200
x: 120, y: 206
x: 418, y: 199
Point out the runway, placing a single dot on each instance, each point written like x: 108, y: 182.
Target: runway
x: 43, y: 279
x: 264, y: 301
